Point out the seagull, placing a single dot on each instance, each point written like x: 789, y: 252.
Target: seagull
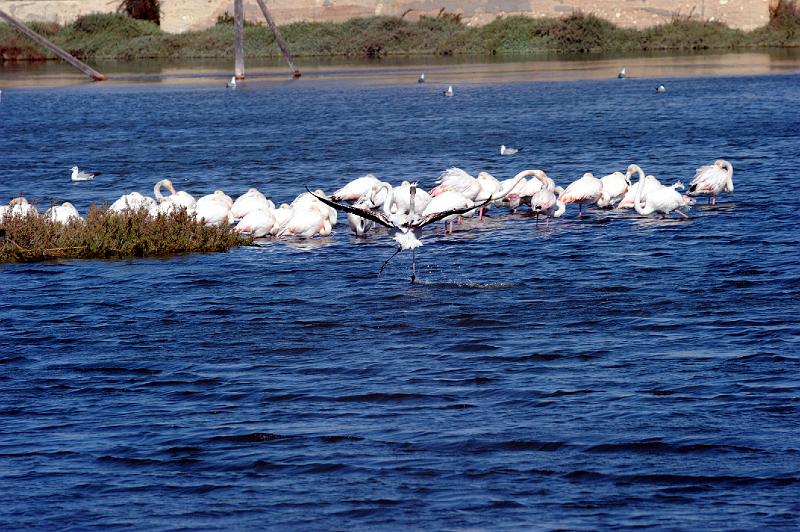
x: 661, y: 88
x: 232, y: 83
x: 449, y: 91
x: 508, y: 151
x: 421, y: 78
x: 622, y: 74
x: 79, y: 175
x: 407, y: 227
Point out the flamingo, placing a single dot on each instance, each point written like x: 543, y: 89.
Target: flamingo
x: 214, y: 209
x: 63, y: 213
x: 251, y: 200
x: 449, y: 201
x: 256, y: 223
x: 305, y: 200
x: 712, y: 180
x: 651, y: 183
x: 662, y: 200
x: 174, y: 201
x: 19, y: 207
x: 545, y: 201
x: 401, y: 198
x: 407, y: 228
x: 355, y: 188
x: 489, y: 187
x: 282, y: 215
x: 307, y: 220
x: 380, y: 196
x: 614, y: 188
x: 584, y: 191
x: 132, y: 202
x: 458, y: 180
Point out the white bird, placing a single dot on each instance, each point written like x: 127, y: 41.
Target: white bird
x: 232, y: 83
x: 308, y: 220
x: 545, y: 202
x: 78, y: 175
x: 450, y: 201
x: 662, y: 200
x: 508, y: 151
x: 661, y: 88
x: 584, y: 191
x: 421, y: 78
x: 256, y: 223
x: 401, y: 199
x: 490, y: 186
x: 305, y: 200
x: 458, y: 180
x: 712, y: 180
x: 214, y: 209
x: 282, y: 215
x: 650, y: 183
x: 449, y: 91
x: 353, y: 190
x: 173, y: 202
x: 380, y: 196
x: 614, y: 188
x: 132, y: 202
x: 19, y: 207
x: 251, y: 200
x: 622, y: 74
x: 63, y: 213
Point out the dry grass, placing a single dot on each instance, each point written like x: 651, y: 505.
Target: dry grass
x: 104, y: 235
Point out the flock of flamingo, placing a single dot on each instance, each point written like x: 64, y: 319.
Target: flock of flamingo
x: 405, y: 209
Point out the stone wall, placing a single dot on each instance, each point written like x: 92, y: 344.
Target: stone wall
x: 186, y: 15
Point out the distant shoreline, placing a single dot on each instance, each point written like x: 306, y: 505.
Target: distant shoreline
x: 120, y: 38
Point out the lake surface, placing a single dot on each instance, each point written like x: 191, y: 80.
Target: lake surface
x: 611, y: 371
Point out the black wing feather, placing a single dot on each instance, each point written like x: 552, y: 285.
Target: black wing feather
x: 376, y: 216
x: 435, y: 217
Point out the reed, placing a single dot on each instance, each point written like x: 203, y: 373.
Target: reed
x: 103, y: 234
x: 120, y: 37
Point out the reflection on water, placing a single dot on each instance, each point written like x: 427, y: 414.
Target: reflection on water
x: 400, y: 70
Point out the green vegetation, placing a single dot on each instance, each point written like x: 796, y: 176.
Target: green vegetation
x: 121, y: 37
x: 104, y: 235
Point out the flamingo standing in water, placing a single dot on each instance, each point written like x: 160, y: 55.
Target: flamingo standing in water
x: 355, y: 188
x: 256, y: 223
x: 174, y: 201
x: 584, y: 191
x: 407, y: 228
x: 214, y: 209
x: 712, y: 180
x: 662, y: 200
x: 650, y: 183
x: 544, y: 201
x: 614, y: 188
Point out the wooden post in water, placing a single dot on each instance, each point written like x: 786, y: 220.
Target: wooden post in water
x: 279, y: 38
x: 22, y: 28
x: 238, y: 30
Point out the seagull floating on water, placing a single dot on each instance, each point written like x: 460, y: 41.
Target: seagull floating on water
x: 232, y: 83
x: 622, y: 74
x: 449, y: 91
x: 79, y: 175
x: 421, y: 78
x: 661, y: 88
x: 508, y: 151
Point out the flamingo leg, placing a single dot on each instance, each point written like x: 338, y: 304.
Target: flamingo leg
x: 580, y: 210
x: 682, y: 214
x: 480, y: 214
x: 451, y: 228
x: 460, y: 219
x: 387, y: 260
x: 413, y: 265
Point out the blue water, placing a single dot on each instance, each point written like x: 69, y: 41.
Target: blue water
x: 614, y: 371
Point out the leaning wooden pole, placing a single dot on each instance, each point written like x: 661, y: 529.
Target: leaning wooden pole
x: 22, y: 28
x: 238, y: 45
x: 279, y: 38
